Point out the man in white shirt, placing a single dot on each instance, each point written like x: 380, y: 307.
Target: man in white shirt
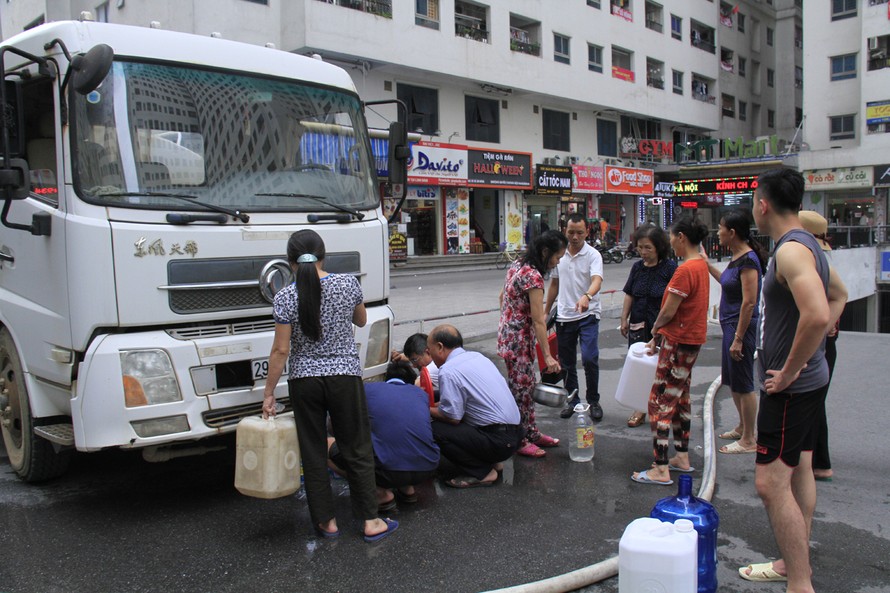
x: 575, y: 284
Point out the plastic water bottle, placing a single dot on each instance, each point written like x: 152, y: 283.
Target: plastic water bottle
x: 581, y: 448
x: 704, y: 518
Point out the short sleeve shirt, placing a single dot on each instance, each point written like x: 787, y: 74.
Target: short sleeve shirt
x: 646, y: 285
x: 731, y: 287
x: 575, y: 273
x: 472, y: 390
x: 515, y: 332
x: 336, y: 352
x: 690, y: 322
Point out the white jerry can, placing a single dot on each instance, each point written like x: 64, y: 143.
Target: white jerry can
x: 267, y: 458
x: 658, y: 556
x: 637, y: 377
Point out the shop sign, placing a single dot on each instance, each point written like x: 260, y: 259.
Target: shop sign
x: 623, y: 13
x: 710, y: 201
x: 877, y: 112
x: 882, y: 175
x: 732, y: 148
x: 457, y: 220
x: 553, y: 180
x: 664, y: 189
x: 633, y: 147
x: 398, y: 246
x: 589, y: 180
x: 625, y: 180
x: 623, y: 74
x: 828, y: 179
x: 499, y: 169
x: 718, y: 185
x: 420, y: 192
x: 434, y: 163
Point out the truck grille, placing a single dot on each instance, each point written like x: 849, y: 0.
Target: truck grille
x: 232, y: 416
x: 223, y: 329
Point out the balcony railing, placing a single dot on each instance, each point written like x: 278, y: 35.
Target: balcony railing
x: 705, y: 98
x: 704, y: 45
x: 533, y: 49
x: 655, y: 82
x: 654, y: 25
x: 379, y: 7
x: 878, y: 63
x: 471, y: 32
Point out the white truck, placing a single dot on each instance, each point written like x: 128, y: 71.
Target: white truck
x: 149, y: 182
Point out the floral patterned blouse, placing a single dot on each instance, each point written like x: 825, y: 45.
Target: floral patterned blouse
x: 516, y: 334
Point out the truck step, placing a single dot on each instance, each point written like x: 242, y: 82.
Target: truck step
x: 62, y: 434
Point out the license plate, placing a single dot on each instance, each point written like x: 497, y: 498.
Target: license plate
x: 260, y: 368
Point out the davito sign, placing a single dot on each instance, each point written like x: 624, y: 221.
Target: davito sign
x: 437, y: 164
x: 499, y: 169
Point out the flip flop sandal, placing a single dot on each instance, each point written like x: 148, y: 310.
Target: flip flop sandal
x: 547, y: 441
x: 391, y: 525
x: 642, y: 477
x: 635, y: 420
x: 327, y: 534
x: 730, y: 435
x: 386, y: 506
x: 735, y: 448
x: 531, y: 450
x: 406, y: 498
x: 762, y: 573
x: 467, y: 482
x: 674, y: 468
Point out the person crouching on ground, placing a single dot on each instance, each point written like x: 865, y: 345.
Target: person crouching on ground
x: 681, y: 327
x: 415, y: 352
x: 405, y: 453
x: 523, y: 321
x: 476, y: 424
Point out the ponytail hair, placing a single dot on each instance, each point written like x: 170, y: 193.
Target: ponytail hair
x: 304, y: 248
x: 740, y: 221
x: 692, y: 228
x: 542, y: 248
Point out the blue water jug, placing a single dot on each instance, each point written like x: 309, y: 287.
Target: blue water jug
x: 705, y: 520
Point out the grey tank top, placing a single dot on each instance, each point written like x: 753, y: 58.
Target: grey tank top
x: 779, y: 316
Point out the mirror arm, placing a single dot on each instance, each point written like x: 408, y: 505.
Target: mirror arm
x: 51, y: 44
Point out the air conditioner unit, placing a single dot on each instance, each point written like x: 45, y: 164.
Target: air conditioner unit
x: 549, y: 160
x: 873, y: 43
x: 573, y: 160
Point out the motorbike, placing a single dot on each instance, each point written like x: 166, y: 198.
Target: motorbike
x: 611, y: 254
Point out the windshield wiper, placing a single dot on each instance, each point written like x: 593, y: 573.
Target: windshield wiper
x: 347, y: 209
x: 186, y: 198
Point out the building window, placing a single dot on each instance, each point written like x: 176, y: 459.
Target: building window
x: 654, y: 73
x: 266, y: 2
x: 676, y: 27
x: 743, y: 66
x: 740, y: 22
x: 483, y: 119
x: 770, y: 35
x: 770, y: 118
x: 654, y: 17
x: 471, y: 21
x: 622, y: 64
x: 702, y: 36
x: 701, y: 89
x: 677, y: 78
x: 842, y: 9
x: 878, y: 50
x: 427, y: 13
x: 594, y: 58
x: 798, y: 117
x: 843, y: 67
x: 525, y: 35
x: 623, y: 9
x: 728, y: 105
x: 102, y: 13
x: 842, y: 127
x: 594, y: 3
x: 798, y: 77
x: 561, y: 49
x: 556, y: 130
x: 727, y: 59
x: 770, y: 77
x: 743, y: 111
x: 606, y: 137
x: 798, y: 37
x: 423, y: 108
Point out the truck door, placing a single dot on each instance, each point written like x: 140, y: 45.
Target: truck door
x: 33, y: 277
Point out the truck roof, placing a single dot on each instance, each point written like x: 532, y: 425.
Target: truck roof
x: 183, y: 48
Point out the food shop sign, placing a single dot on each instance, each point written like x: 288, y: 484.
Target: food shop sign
x: 499, y: 169
x: 624, y: 180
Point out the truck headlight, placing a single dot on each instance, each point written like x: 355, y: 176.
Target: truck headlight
x: 148, y: 378
x: 378, y: 344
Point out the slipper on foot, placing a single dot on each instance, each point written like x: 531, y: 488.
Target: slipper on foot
x: 327, y: 534
x: 822, y: 478
x: 531, y: 450
x: 635, y: 419
x: 735, y: 448
x: 675, y: 468
x: 642, y: 477
x: 547, y: 441
x: 761, y: 573
x: 391, y: 525
x: 406, y: 498
x: 467, y: 482
x: 731, y: 435
x: 384, y: 507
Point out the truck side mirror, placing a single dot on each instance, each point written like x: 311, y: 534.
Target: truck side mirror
x: 90, y: 69
x: 398, y: 156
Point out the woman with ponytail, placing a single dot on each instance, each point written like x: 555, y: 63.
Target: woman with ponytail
x: 314, y: 334
x: 739, y: 312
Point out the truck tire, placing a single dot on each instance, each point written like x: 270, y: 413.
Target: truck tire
x: 34, y: 459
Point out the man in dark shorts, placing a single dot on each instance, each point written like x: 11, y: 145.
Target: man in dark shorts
x: 802, y: 297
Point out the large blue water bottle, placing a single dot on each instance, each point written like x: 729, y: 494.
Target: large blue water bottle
x: 705, y: 520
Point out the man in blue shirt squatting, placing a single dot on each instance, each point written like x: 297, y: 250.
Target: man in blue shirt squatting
x: 476, y: 423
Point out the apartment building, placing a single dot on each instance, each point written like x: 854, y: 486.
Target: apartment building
x: 533, y: 109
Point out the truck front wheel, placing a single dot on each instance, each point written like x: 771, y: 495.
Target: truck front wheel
x: 34, y: 459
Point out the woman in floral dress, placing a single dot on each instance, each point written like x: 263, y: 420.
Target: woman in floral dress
x: 522, y: 323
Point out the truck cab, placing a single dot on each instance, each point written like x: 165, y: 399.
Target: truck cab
x: 150, y: 181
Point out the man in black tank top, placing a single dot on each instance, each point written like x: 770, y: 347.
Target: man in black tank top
x: 802, y: 297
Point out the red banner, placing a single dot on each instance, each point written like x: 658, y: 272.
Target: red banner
x: 623, y: 74
x: 588, y: 179
x: 624, y: 180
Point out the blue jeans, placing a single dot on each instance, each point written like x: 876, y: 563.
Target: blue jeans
x: 568, y: 334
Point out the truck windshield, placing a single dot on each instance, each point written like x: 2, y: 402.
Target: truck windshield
x: 240, y: 142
